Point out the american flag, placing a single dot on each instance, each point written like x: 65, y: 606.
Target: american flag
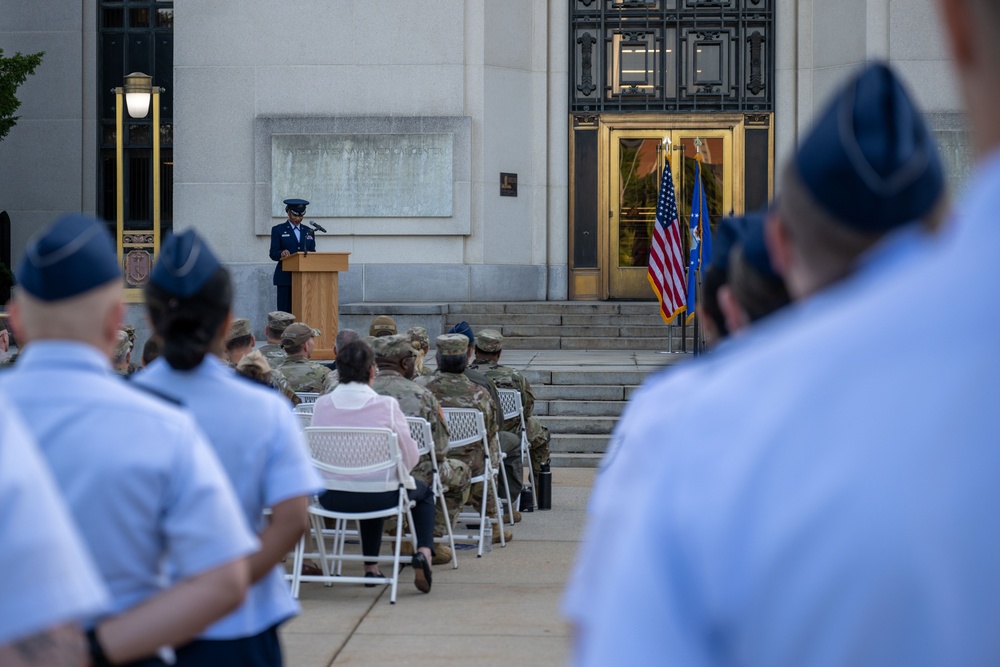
x: 666, y: 267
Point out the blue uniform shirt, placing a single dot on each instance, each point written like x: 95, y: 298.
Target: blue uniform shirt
x: 48, y: 575
x: 260, y: 444
x: 829, y: 495
x: 138, y: 476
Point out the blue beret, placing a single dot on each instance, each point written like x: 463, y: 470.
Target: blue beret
x: 69, y: 257
x: 464, y: 329
x: 870, y: 161
x: 297, y: 205
x: 727, y: 234
x: 185, y: 264
x: 754, y: 247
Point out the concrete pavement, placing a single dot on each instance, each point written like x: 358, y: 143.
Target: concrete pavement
x: 501, y: 609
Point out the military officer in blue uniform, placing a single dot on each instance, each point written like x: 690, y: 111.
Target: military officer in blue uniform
x: 287, y: 239
x: 255, y: 435
x: 39, y: 612
x: 840, y: 511
x: 143, y: 485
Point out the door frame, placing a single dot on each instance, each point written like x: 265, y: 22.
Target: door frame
x: 609, y: 123
x: 631, y: 282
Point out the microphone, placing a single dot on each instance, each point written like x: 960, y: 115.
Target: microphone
x: 316, y: 226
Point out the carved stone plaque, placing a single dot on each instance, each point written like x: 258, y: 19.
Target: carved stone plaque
x: 364, y: 175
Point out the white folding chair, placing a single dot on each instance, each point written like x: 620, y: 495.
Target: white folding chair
x: 304, y: 411
x: 420, y: 431
x: 307, y: 396
x: 364, y: 460
x: 510, y: 400
x: 466, y: 427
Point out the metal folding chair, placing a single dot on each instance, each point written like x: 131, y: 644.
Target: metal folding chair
x: 466, y: 427
x: 363, y: 460
x: 513, y: 406
x: 420, y: 431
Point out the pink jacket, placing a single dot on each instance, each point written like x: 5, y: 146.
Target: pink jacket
x: 356, y: 404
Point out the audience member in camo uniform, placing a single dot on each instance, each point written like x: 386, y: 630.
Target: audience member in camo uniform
x: 277, y: 322
x: 395, y: 358
x: 301, y: 373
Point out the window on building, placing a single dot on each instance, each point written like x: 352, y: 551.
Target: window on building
x: 135, y: 36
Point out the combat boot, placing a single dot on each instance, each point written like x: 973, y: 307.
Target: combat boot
x: 442, y: 554
x: 507, y: 535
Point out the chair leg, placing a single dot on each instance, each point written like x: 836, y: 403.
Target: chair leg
x: 482, y: 509
x: 447, y: 522
x: 297, y: 566
x: 526, y: 459
x: 506, y: 488
x: 492, y: 479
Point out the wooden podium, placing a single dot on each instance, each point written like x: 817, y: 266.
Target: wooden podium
x: 314, y: 294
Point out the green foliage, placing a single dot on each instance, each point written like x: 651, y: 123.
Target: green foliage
x: 14, y: 70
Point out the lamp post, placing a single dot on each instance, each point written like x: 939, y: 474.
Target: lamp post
x: 138, y: 91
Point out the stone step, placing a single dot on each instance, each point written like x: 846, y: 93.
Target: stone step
x: 498, y: 320
x: 573, y: 426
x: 578, y: 443
x: 583, y: 408
x: 575, y: 460
x: 585, y: 392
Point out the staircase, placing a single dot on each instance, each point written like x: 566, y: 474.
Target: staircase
x: 570, y: 325
x: 583, y: 359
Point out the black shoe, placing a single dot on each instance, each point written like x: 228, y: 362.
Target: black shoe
x: 373, y: 575
x: 421, y: 573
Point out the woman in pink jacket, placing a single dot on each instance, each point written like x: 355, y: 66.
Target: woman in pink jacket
x: 355, y: 403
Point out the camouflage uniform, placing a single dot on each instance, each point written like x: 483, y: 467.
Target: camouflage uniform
x: 416, y: 401
x: 454, y: 390
x: 7, y: 362
x: 130, y: 330
x: 277, y: 322
x: 506, y: 377
x: 509, y: 443
x: 420, y: 342
x: 302, y: 374
x: 273, y: 353
x: 255, y: 367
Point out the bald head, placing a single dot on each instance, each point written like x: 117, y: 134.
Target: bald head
x: 92, y: 317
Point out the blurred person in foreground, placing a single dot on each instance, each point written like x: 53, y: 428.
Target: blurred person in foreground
x: 40, y: 615
x: 145, y: 488
x: 834, y: 516
x: 252, y: 430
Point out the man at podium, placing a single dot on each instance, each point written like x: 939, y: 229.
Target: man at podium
x: 286, y: 239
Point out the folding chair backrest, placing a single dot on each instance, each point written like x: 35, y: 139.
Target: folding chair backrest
x: 307, y: 396
x: 510, y: 401
x: 356, y: 459
x: 466, y: 426
x: 420, y: 431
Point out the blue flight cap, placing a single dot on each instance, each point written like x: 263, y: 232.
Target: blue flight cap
x: 870, y: 161
x: 185, y: 264
x: 71, y: 256
x: 754, y: 247
x: 727, y: 234
x: 296, y: 205
x: 464, y: 329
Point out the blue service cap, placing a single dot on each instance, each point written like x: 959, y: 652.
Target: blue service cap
x: 71, y: 256
x: 727, y: 234
x: 754, y: 247
x: 464, y: 329
x: 296, y: 205
x: 185, y: 264
x: 870, y: 160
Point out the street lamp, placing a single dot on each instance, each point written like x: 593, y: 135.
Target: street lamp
x: 137, y: 263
